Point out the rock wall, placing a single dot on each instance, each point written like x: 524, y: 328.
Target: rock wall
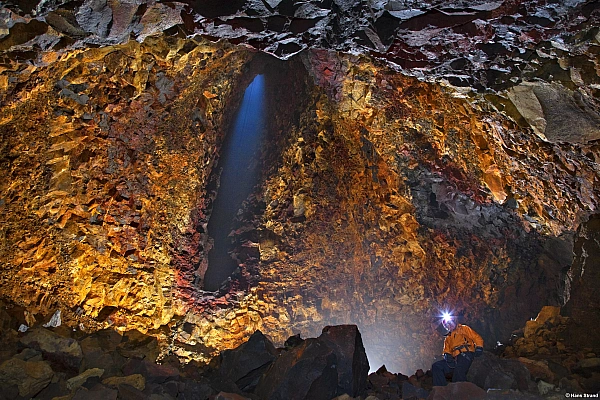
x: 107, y: 153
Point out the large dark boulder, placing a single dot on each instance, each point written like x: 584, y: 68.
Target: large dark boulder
x: 352, y: 362
x: 305, y: 372
x: 245, y: 364
x: 30, y: 377
x: 62, y: 352
x: 492, y: 372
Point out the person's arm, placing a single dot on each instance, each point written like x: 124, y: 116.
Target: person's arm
x: 476, y: 338
x: 447, y: 348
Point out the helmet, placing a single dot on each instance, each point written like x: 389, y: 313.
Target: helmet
x: 448, y: 322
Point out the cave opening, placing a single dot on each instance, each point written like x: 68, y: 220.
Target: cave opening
x: 237, y: 172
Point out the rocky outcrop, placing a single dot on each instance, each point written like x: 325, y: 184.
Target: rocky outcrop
x: 312, y: 368
x: 490, y: 372
x: 247, y: 363
x: 552, y: 356
x: 308, y: 371
x: 315, y: 369
x: 352, y: 364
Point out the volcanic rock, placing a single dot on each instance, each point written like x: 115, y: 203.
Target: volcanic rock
x: 403, y: 157
x: 64, y: 352
x: 307, y: 371
x: 458, y: 390
x: 247, y: 363
x: 538, y: 369
x: 136, y: 380
x: 98, y: 392
x: 410, y: 391
x: 352, y: 365
x: 29, y: 376
x: 490, y: 371
x: 75, y: 382
x: 154, y: 373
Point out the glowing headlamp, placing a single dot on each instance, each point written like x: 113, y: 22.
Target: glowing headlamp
x: 446, y: 317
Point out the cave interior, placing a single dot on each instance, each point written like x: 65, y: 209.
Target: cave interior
x: 200, y: 170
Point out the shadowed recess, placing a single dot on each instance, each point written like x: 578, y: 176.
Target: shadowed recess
x: 239, y: 166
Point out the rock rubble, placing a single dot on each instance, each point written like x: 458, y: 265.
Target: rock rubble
x: 332, y: 366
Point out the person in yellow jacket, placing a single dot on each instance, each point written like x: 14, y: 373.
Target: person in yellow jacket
x: 461, y: 345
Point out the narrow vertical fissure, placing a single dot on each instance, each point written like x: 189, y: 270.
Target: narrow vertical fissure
x: 238, y: 169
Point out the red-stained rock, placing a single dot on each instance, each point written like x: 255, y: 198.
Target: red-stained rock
x: 538, y: 369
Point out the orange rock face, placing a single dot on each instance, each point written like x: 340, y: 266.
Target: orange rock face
x: 107, y: 151
x: 384, y: 200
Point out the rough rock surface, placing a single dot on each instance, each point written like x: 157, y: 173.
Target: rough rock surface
x: 247, y: 363
x: 352, y: 364
x: 422, y: 156
x: 458, y: 390
x: 302, y: 370
x: 308, y: 371
x: 29, y: 376
x: 490, y: 372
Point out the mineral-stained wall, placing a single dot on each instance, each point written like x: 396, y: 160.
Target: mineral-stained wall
x: 384, y: 198
x: 107, y: 152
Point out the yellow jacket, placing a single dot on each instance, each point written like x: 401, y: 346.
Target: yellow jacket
x: 462, y: 339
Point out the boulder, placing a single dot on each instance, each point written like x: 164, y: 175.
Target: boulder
x: 80, y: 379
x: 154, y: 373
x: 307, y: 371
x: 544, y: 387
x: 378, y: 380
x: 62, y: 352
x: 538, y: 369
x: 100, y: 351
x: 547, y: 313
x: 29, y: 376
x: 570, y: 385
x: 136, y: 380
x: 54, y: 391
x: 245, y: 364
x: 129, y: 392
x: 410, y: 391
x: 490, y: 371
x: 352, y: 362
x: 591, y: 383
x: 588, y: 365
x: 458, y: 390
x: 98, y: 392
x: 193, y: 390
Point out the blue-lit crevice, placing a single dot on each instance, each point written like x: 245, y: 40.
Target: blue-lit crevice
x: 239, y: 164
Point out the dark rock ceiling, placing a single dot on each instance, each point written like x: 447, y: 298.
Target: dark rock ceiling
x: 475, y: 43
